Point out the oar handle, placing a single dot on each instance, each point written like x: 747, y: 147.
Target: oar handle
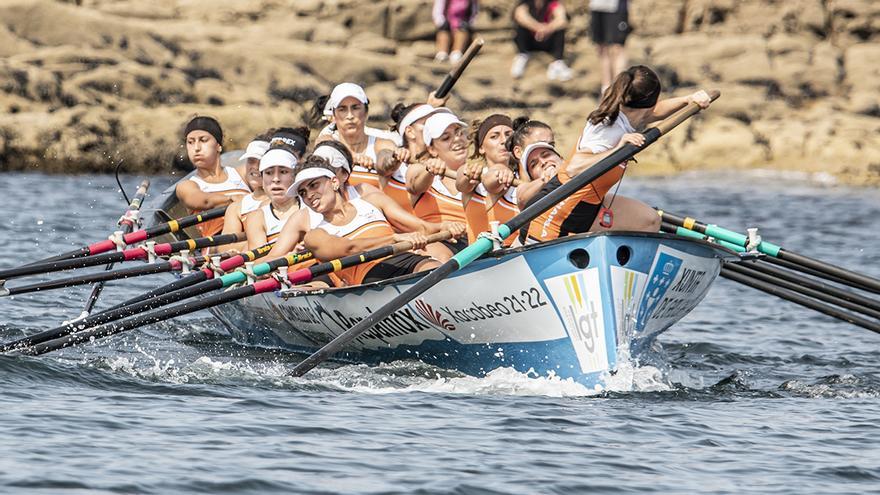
x: 452, y: 174
x: 453, y: 75
x: 402, y: 246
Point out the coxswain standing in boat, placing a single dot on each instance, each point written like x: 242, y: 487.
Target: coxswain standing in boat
x: 212, y: 185
x: 264, y: 224
x: 434, y: 196
x: 332, y: 226
x: 233, y: 220
x: 626, y: 108
x: 348, y: 108
x: 485, y: 182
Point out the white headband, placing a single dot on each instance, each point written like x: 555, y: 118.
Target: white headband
x: 255, y: 149
x: 415, y: 114
x: 277, y: 158
x: 341, y: 92
x: 334, y: 156
x: 524, y: 159
x: 307, y: 175
x: 437, y: 124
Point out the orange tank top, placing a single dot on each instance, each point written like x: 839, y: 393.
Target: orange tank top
x: 549, y: 225
x: 437, y: 204
x: 504, y: 210
x: 368, y: 222
x: 395, y: 188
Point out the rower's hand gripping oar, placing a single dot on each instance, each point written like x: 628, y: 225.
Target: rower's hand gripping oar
x: 456, y: 72
x: 298, y: 277
x: 483, y: 244
x: 137, y: 253
x: 171, y: 226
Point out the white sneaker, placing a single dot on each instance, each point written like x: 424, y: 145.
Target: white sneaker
x: 454, y: 57
x: 441, y: 57
x: 518, y: 68
x: 558, y: 71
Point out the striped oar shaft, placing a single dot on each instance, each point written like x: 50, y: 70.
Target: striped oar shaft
x: 127, y: 223
x: 198, y: 276
x: 683, y: 232
x: 171, y: 226
x: 857, y: 280
x: 795, y: 287
x: 796, y: 298
x: 259, y: 287
x: 105, y: 276
x: 137, y: 253
x: 483, y: 244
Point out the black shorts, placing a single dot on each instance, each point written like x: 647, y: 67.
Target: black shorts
x: 457, y: 246
x: 395, y: 266
x: 610, y: 28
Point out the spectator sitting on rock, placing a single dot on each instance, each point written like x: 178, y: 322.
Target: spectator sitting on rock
x: 540, y: 27
x: 453, y: 18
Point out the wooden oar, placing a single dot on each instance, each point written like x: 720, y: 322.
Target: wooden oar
x: 262, y: 286
x: 138, y: 253
x: 127, y: 223
x: 852, y: 278
x: 195, y: 277
x: 483, y: 245
x: 105, y: 276
x: 453, y: 75
x: 170, y: 226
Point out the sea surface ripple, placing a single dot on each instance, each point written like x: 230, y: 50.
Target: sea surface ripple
x: 748, y: 394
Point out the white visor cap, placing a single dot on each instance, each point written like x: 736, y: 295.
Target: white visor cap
x: 341, y: 92
x: 277, y: 158
x: 307, y: 175
x: 418, y: 113
x: 540, y: 145
x: 255, y: 149
x: 437, y: 124
x: 334, y: 156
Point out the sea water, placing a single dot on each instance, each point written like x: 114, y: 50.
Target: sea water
x: 748, y: 394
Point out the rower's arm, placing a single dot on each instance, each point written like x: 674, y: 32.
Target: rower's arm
x: 399, y: 218
x: 497, y: 179
x: 667, y: 107
x: 418, y: 179
x: 291, y: 234
x: 192, y: 197
x: 231, y: 221
x: 386, y: 157
x: 255, y: 228
x: 583, y: 160
x: 526, y: 191
x: 326, y: 247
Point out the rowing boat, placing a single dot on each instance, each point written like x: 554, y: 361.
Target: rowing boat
x: 569, y: 308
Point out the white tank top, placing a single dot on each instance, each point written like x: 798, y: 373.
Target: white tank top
x: 273, y: 223
x: 233, y: 181
x: 249, y: 204
x: 316, y: 218
x: 367, y: 214
x: 370, y: 151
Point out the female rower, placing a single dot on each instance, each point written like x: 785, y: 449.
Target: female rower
x: 264, y: 224
x: 434, y: 196
x: 333, y: 226
x: 338, y: 156
x: 525, y: 132
x: 348, y: 107
x: 626, y: 109
x: 233, y: 220
x: 485, y: 182
x: 212, y: 185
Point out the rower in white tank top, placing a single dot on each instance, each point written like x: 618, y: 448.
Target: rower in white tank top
x: 272, y: 222
x: 316, y: 218
x: 368, y: 217
x: 249, y: 204
x: 233, y: 182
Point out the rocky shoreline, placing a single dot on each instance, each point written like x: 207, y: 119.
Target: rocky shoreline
x: 85, y: 86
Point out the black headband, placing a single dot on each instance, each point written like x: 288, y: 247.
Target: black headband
x: 207, y: 124
x: 490, y: 122
x: 295, y: 142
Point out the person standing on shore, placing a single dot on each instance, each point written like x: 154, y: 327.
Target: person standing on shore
x: 609, y: 23
x: 540, y: 27
x: 454, y: 20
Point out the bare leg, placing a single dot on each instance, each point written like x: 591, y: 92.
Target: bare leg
x: 630, y: 214
x: 442, y: 42
x: 439, y: 252
x: 605, y: 68
x: 426, y: 265
x: 459, y: 40
x: 617, y: 55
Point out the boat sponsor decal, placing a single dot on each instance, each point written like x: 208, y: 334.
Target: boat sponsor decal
x: 501, y: 303
x: 627, y: 287
x: 578, y: 296
x: 433, y: 315
x: 677, y: 282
